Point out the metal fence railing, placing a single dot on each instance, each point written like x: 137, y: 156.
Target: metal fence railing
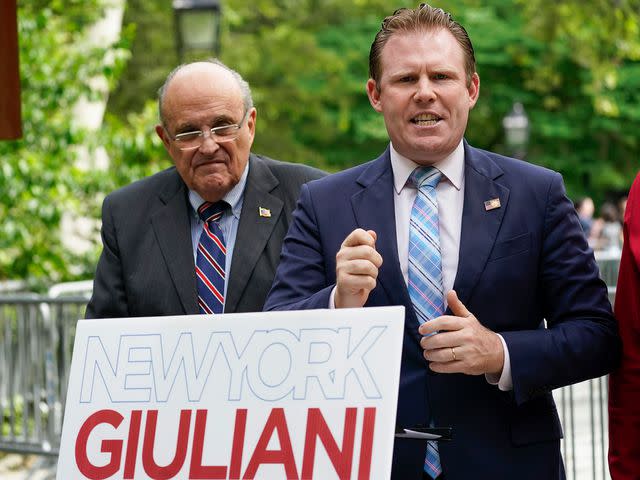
x: 583, y: 406
x: 36, y: 340
x: 609, y: 265
x: 583, y: 412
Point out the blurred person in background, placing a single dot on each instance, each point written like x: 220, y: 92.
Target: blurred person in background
x: 607, y: 229
x: 585, y: 208
x: 624, y: 383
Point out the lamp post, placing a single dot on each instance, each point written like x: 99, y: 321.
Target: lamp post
x: 197, y: 25
x: 516, y: 130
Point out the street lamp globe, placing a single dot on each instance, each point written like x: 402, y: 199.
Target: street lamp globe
x: 516, y: 130
x: 197, y: 25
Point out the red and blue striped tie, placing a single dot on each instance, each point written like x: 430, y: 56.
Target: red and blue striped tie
x: 210, y: 260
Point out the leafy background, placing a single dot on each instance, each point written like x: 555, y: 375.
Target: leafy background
x: 574, y: 65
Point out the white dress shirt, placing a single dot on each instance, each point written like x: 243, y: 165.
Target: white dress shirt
x: 450, y: 196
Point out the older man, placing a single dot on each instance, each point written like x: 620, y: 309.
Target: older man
x: 478, y: 247
x: 205, y: 235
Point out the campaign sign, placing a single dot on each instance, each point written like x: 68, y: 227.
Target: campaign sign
x: 305, y: 394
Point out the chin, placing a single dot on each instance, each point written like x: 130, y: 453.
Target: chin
x: 213, y: 189
x: 423, y: 154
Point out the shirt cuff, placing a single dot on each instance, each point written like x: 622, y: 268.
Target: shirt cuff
x: 332, y: 302
x: 504, y: 380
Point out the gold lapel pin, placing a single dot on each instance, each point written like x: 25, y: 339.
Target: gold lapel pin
x: 492, y: 204
x: 264, y: 212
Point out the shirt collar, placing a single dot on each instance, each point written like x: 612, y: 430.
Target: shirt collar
x: 452, y: 168
x: 233, y: 197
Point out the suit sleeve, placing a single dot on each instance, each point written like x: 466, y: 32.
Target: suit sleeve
x: 581, y: 339
x: 109, y: 298
x: 301, y: 281
x: 624, y: 383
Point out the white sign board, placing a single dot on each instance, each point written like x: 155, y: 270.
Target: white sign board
x: 305, y: 394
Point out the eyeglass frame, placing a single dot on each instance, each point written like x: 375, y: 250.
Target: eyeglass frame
x: 212, y: 132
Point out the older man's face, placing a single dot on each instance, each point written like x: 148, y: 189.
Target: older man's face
x: 200, y: 97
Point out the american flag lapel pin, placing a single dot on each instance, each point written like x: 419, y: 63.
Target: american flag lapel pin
x: 264, y: 212
x: 492, y: 204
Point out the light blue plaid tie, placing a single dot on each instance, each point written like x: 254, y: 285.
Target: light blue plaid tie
x: 425, y: 268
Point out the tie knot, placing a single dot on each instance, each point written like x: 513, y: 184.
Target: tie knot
x: 425, y: 177
x: 211, y: 212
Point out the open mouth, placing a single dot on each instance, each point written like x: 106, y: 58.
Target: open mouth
x: 426, y: 119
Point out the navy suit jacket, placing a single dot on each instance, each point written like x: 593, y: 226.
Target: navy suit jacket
x: 523, y: 262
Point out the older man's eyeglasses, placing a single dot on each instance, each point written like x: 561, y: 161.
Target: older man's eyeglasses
x: 221, y: 134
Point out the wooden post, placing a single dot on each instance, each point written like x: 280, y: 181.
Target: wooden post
x: 10, y: 119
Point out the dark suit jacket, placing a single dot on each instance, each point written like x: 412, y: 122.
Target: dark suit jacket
x: 147, y: 268
x: 519, y: 264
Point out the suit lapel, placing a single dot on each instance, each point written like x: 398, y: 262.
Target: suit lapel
x: 254, y: 230
x: 173, y: 232
x: 479, y: 225
x: 373, y: 207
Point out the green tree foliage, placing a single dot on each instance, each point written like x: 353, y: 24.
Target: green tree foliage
x: 574, y: 65
x: 307, y: 63
x: 39, y: 179
x: 585, y: 76
x: 153, y: 55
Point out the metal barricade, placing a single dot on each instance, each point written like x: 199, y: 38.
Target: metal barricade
x: 609, y: 265
x: 583, y: 412
x: 36, y: 340
x: 583, y: 406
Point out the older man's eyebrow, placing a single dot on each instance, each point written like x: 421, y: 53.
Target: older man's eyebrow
x: 222, y: 120
x: 186, y: 127
x: 218, y: 120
